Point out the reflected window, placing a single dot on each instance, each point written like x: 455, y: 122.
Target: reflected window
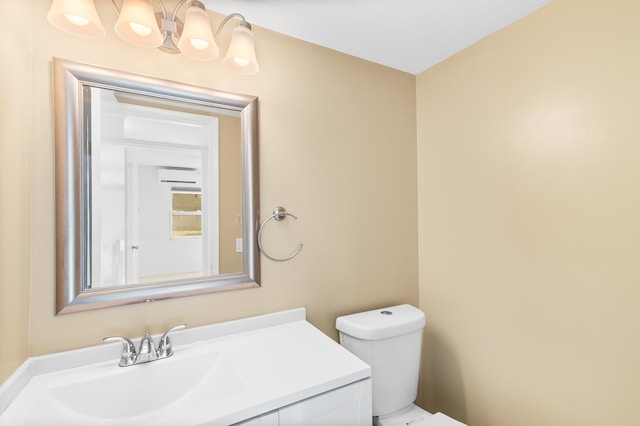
x: 186, y: 213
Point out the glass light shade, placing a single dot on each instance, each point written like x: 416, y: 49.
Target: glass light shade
x: 196, y: 40
x: 241, y: 56
x: 137, y: 24
x: 77, y: 17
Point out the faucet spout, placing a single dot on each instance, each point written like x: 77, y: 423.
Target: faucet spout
x: 147, y: 350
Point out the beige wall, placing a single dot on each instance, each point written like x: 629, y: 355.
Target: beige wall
x: 15, y: 146
x: 230, y: 170
x: 337, y: 148
x: 529, y: 207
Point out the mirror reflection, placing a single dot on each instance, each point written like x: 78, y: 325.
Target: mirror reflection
x: 156, y: 189
x: 156, y: 203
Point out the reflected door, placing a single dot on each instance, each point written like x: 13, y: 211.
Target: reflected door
x: 166, y: 215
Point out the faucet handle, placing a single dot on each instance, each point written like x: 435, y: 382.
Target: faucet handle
x: 128, y: 355
x: 164, y: 348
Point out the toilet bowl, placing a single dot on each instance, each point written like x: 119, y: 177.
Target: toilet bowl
x: 390, y: 341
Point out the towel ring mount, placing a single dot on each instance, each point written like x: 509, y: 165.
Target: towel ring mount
x: 279, y: 214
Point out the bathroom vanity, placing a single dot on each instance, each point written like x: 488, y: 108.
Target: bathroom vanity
x: 274, y: 369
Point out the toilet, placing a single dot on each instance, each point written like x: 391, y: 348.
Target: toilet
x: 390, y: 340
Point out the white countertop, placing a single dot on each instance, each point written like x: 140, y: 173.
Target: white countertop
x: 265, y: 363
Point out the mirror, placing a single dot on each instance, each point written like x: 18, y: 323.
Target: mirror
x: 156, y: 189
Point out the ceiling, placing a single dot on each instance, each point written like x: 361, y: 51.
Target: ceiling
x: 408, y: 35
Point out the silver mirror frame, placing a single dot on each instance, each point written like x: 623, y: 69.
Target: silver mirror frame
x: 73, y: 194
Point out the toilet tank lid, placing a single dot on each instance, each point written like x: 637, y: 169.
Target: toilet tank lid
x: 382, y: 323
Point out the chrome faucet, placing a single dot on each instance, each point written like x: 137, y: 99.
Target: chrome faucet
x: 147, y: 351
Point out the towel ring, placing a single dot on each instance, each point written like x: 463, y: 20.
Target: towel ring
x: 279, y: 213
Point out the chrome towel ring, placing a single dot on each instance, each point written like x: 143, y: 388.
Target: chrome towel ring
x: 279, y: 213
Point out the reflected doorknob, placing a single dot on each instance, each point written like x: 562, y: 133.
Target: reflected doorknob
x: 135, y: 247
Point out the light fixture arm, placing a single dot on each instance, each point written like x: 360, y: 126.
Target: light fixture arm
x: 115, y: 6
x: 174, y: 15
x: 226, y: 19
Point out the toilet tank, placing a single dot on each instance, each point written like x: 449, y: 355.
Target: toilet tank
x: 389, y: 340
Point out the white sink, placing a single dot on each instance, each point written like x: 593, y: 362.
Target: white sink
x: 218, y: 375
x: 104, y: 392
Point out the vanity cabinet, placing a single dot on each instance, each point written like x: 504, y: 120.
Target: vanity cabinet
x: 346, y: 406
